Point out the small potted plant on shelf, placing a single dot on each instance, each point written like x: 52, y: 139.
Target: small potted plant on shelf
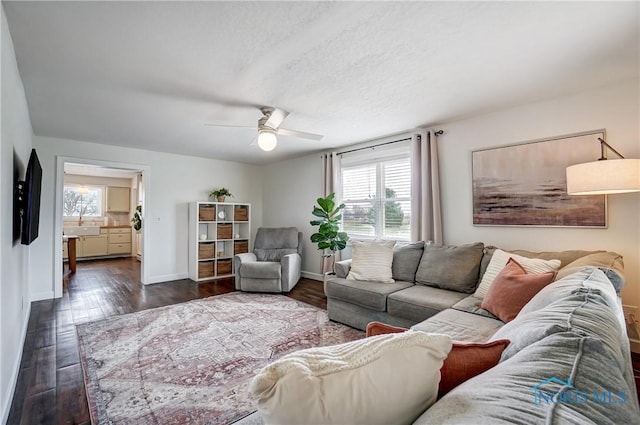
x: 220, y: 194
x: 329, y: 238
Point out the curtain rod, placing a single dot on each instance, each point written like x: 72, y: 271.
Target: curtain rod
x: 437, y: 133
x: 375, y: 146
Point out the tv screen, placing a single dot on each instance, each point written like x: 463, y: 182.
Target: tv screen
x: 31, y: 200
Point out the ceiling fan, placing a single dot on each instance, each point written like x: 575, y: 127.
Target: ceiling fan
x: 269, y: 127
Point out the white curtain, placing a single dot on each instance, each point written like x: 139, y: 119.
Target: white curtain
x: 330, y: 173
x: 330, y: 184
x: 426, y: 218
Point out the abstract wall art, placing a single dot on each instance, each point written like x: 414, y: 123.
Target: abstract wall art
x: 525, y: 184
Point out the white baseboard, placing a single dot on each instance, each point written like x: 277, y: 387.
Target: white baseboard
x: 39, y: 296
x: 166, y: 278
x: 314, y: 276
x: 6, y: 405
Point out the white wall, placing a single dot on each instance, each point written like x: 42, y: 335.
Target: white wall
x: 292, y: 186
x: 615, y: 108
x: 290, y: 191
x: 172, y: 182
x: 14, y: 291
x: 97, y: 180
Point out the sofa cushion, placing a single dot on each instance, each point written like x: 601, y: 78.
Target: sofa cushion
x: 261, y: 269
x: 512, y: 289
x: 460, y: 326
x: 565, y: 257
x: 273, y: 254
x: 371, y: 295
x: 379, y: 380
x: 471, y: 304
x: 499, y: 260
x: 585, y: 310
x: 406, y: 259
x: 277, y: 237
x: 605, y: 260
x: 451, y: 267
x: 420, y: 302
x: 372, y: 261
x: 588, y: 277
x: 519, y: 391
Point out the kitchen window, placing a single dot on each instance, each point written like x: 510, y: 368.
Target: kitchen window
x: 82, y: 201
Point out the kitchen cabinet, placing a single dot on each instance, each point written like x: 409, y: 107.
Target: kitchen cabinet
x: 92, y: 246
x: 119, y: 241
x: 118, y: 199
x: 110, y: 241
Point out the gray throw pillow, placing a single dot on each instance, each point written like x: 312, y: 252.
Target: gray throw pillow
x: 406, y: 259
x: 451, y: 267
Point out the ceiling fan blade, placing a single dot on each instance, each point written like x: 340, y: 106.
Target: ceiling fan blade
x: 276, y: 118
x: 300, y: 134
x: 233, y: 126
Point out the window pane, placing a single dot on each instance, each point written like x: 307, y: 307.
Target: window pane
x: 359, y: 183
x: 377, y: 196
x: 358, y: 219
x: 397, y: 207
x: 77, y: 204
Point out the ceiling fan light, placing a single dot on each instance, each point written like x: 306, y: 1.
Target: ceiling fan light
x: 267, y: 140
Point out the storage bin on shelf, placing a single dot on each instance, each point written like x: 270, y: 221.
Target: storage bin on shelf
x: 206, y: 250
x: 240, y: 247
x: 207, y: 213
x: 224, y: 267
x: 241, y: 213
x: 225, y: 231
x: 205, y: 269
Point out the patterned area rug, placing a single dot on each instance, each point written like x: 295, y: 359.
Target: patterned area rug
x: 192, y: 363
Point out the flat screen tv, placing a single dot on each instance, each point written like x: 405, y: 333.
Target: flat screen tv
x: 30, y: 200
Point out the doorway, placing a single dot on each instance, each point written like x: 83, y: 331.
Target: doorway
x: 95, y: 201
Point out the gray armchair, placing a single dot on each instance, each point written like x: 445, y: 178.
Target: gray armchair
x: 274, y: 265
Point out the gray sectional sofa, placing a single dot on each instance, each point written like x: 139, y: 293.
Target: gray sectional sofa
x: 568, y: 361
x: 429, y: 279
x: 569, y: 358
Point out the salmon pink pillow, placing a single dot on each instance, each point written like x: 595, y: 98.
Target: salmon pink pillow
x: 467, y: 360
x: 512, y: 289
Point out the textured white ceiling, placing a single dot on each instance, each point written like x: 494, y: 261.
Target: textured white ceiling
x: 151, y: 74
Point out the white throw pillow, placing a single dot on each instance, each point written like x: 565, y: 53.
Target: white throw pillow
x: 386, y: 379
x: 372, y: 261
x: 499, y: 261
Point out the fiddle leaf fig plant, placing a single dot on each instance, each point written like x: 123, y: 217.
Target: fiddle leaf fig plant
x: 137, y: 218
x: 328, y: 237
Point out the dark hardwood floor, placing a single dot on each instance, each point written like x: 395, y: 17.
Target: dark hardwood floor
x: 50, y: 387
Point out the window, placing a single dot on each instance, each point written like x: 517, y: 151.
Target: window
x: 376, y: 191
x: 77, y: 203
